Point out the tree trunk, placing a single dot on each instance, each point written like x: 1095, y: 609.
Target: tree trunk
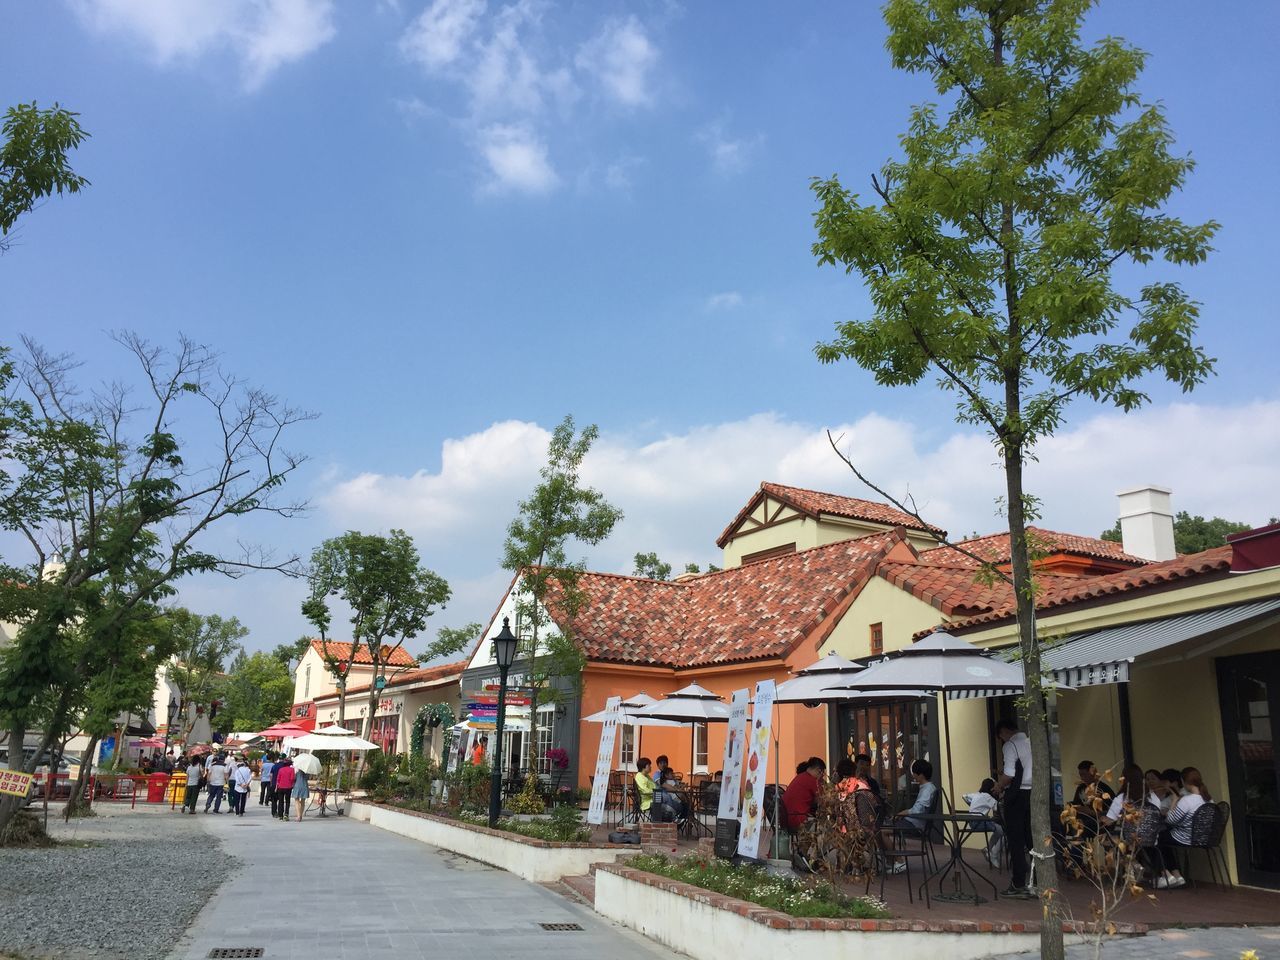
x: 1033, y: 702
x: 76, y: 798
x: 121, y: 739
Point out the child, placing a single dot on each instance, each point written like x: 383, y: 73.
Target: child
x: 983, y: 803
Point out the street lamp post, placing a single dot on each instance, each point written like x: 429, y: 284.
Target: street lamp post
x: 168, y: 729
x: 504, y: 651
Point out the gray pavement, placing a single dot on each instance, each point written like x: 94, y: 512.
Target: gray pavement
x: 1200, y: 943
x: 335, y: 889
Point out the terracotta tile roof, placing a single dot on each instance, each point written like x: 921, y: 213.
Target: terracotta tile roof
x: 814, y: 503
x: 399, y: 657
x: 1078, y: 590
x: 955, y: 590
x: 442, y: 672
x: 758, y: 611
x: 994, y: 548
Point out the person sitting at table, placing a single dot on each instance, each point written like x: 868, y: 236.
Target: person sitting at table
x: 1177, y: 829
x: 1173, y: 780
x: 800, y: 799
x: 666, y: 781
x: 1092, y: 798
x: 1158, y: 790
x: 647, y: 790
x: 909, y: 824
x: 984, y: 804
x: 863, y: 764
x: 1133, y: 794
x: 847, y: 780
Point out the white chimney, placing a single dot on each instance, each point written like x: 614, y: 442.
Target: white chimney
x: 1146, y: 522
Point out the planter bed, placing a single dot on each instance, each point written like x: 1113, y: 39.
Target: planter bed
x: 541, y: 861
x: 710, y: 926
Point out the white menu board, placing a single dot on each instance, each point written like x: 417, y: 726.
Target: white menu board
x: 604, y: 760
x: 757, y: 774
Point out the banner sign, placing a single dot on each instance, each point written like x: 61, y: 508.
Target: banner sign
x: 14, y: 783
x: 604, y: 760
x: 757, y: 752
x: 734, y: 750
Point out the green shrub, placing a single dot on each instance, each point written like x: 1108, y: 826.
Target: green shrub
x: 799, y: 898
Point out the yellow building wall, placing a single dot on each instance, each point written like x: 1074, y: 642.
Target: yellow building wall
x: 901, y: 614
x: 1089, y: 729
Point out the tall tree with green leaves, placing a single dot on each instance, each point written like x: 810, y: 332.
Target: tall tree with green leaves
x: 988, y: 250
x: 560, y: 510
x: 651, y: 566
x: 258, y: 692
x: 35, y: 160
x: 203, y: 646
x: 389, y: 594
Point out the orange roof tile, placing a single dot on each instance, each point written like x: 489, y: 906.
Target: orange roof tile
x: 425, y: 675
x: 758, y: 611
x: 956, y: 590
x: 398, y: 657
x: 994, y: 548
x: 814, y: 503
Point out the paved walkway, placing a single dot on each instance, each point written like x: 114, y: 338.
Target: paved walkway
x: 335, y: 889
x: 1203, y: 943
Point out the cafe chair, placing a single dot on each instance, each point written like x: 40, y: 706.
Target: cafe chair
x: 1208, y: 827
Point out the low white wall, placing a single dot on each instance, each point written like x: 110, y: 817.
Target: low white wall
x: 705, y: 932
x: 541, y: 863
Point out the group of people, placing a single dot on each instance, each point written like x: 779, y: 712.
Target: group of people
x: 659, y: 791
x: 223, y: 775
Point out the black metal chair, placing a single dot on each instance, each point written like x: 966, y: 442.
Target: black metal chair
x: 1208, y: 827
x: 635, y: 814
x: 1144, y: 835
x: 898, y: 849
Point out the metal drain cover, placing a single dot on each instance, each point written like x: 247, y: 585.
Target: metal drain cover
x: 226, y: 953
x: 560, y: 926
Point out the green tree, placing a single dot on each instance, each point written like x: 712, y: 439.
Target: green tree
x: 34, y: 161
x: 648, y: 565
x: 202, y: 645
x: 988, y: 252
x: 96, y: 483
x: 450, y: 641
x: 559, y: 510
x: 389, y: 594
x: 258, y: 692
x: 1192, y: 534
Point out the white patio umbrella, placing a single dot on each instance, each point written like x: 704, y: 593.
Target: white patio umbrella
x: 332, y: 738
x: 691, y: 704
x: 946, y: 665
x: 811, y: 685
x: 307, y: 763
x: 627, y: 716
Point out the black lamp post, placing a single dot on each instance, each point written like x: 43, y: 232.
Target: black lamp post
x: 168, y: 729
x: 504, y: 651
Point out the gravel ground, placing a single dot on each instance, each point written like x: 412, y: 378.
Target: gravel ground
x: 124, y: 884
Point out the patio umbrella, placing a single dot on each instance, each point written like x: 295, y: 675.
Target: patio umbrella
x: 811, y: 685
x: 627, y: 716
x: 281, y: 730
x: 308, y: 763
x: 946, y: 665
x: 150, y: 743
x: 333, y: 738
x: 691, y: 704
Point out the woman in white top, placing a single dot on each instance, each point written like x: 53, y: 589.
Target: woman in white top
x: 1177, y: 832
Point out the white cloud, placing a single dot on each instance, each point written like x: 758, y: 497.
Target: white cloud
x: 517, y: 160
x: 437, y: 35
x: 678, y: 491
x: 262, y: 34
x: 724, y: 301
x: 728, y: 154
x: 620, y: 57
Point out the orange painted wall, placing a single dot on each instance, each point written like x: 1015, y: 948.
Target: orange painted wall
x: 802, y: 731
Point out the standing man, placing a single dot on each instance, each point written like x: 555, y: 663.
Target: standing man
x: 217, y: 781
x: 264, y: 779
x: 195, y: 770
x: 1014, y: 788
x: 240, y: 783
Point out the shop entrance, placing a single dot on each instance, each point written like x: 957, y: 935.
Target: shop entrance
x: 892, y: 735
x: 1249, y: 688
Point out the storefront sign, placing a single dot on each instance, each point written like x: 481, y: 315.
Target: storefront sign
x: 14, y: 783
x: 757, y: 754
x: 734, y: 750
x: 604, y: 760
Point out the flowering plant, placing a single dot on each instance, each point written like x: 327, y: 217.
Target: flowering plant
x: 558, y: 757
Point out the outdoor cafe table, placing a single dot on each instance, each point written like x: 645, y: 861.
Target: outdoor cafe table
x: 961, y: 827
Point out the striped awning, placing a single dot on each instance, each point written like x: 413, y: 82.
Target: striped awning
x: 1104, y: 656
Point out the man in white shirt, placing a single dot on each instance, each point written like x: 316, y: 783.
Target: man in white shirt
x: 240, y: 781
x: 1015, y: 789
x: 216, y: 784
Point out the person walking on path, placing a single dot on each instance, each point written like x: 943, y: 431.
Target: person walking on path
x: 195, y: 769
x: 241, y: 781
x: 264, y: 779
x: 286, y: 776
x: 1015, y: 789
x: 300, y: 792
x: 217, y: 774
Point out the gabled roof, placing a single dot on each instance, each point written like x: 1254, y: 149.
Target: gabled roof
x: 442, y: 672
x: 814, y: 503
x: 994, y: 548
x: 398, y: 657
x: 759, y: 611
x: 956, y: 590
x: 1078, y: 590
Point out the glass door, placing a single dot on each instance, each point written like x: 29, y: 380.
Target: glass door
x: 1249, y: 688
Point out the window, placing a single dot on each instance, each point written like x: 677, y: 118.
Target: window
x: 546, y: 732
x: 627, y: 750
x: 877, y: 639
x: 699, y: 748
x: 785, y: 550
x: 306, y: 684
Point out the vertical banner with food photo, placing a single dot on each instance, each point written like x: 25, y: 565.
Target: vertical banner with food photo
x: 757, y: 753
x: 735, y: 742
x: 604, y: 760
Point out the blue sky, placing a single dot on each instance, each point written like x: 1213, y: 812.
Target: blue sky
x: 443, y: 226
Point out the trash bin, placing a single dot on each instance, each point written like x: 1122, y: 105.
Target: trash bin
x: 155, y: 787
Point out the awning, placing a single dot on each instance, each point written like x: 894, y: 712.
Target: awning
x: 1103, y: 656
